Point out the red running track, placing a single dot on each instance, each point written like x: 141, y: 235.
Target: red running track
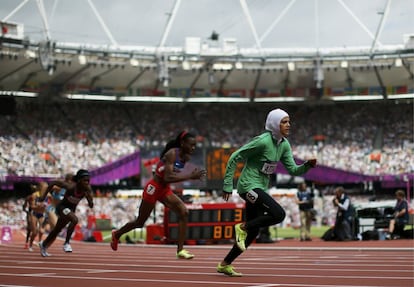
x: 286, y: 263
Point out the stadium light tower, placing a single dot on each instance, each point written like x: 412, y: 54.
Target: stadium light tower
x: 318, y: 75
x: 163, y: 74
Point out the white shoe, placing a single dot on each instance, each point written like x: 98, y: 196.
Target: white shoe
x: 67, y: 247
x: 43, y: 251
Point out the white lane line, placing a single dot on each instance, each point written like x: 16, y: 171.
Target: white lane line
x: 312, y: 285
x: 266, y: 285
x: 215, y: 282
x: 56, y: 275
x: 103, y: 271
x: 39, y: 274
x: 200, y: 266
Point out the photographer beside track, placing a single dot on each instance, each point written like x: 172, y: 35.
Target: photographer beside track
x: 344, y: 215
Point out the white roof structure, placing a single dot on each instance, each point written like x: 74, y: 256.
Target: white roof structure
x: 283, y: 24
x: 245, y: 45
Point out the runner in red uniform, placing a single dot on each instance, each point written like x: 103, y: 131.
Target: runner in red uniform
x: 173, y: 158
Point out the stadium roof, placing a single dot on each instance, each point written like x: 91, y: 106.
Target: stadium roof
x: 251, y: 23
x: 206, y: 44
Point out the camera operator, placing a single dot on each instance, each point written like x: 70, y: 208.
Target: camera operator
x: 397, y: 224
x: 344, y: 216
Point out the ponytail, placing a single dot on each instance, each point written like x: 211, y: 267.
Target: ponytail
x: 176, y: 143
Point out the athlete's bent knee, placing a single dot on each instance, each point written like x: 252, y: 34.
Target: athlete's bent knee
x: 279, y: 216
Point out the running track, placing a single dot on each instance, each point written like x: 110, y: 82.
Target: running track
x: 286, y: 263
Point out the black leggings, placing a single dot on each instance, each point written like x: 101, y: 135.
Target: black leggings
x: 261, y: 211
x: 65, y: 215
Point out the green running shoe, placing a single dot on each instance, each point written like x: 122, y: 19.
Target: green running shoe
x: 184, y: 254
x: 240, y: 237
x: 228, y: 270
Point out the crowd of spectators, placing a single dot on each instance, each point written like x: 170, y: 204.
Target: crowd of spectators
x: 53, y: 138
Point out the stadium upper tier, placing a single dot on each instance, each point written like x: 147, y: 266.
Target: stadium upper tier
x: 48, y: 70
x: 59, y: 137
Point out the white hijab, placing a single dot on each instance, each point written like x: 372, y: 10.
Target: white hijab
x: 273, y: 122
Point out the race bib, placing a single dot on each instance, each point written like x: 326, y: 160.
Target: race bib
x: 252, y: 196
x: 150, y: 189
x: 269, y: 167
x: 66, y: 211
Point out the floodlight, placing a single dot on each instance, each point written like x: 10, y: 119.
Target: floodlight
x: 186, y: 65
x: 398, y: 62
x: 134, y: 62
x: 82, y: 59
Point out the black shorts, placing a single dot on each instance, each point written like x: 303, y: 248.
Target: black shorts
x: 62, y: 209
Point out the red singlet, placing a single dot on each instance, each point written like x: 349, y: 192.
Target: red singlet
x: 153, y: 190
